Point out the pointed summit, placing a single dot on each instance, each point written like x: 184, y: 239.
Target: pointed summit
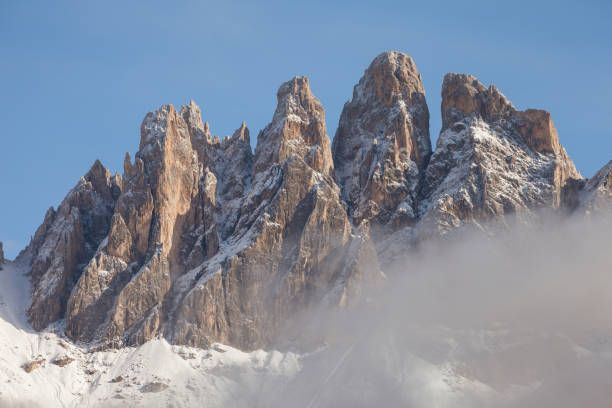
x: 382, y: 143
x: 592, y: 196
x: 242, y: 134
x: 100, y: 177
x: 192, y: 115
x: 66, y: 240
x: 297, y: 128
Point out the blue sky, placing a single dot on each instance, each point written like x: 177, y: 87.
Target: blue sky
x: 77, y: 77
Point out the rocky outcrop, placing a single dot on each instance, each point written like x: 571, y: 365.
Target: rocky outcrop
x: 297, y: 128
x: 592, y: 196
x: 382, y: 143
x: 65, y: 242
x: 201, y: 240
x: 291, y: 245
x: 164, y: 220
x: 490, y: 160
x: 1, y: 255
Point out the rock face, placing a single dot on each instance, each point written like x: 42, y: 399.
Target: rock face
x: 292, y: 244
x: 201, y: 240
x: 66, y: 241
x: 490, y: 160
x: 592, y: 196
x: 1, y: 255
x: 297, y: 128
x: 382, y: 144
x: 152, y: 234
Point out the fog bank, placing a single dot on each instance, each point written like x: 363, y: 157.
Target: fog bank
x: 519, y: 319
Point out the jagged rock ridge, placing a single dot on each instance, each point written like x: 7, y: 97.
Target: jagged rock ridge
x: 490, y: 159
x: 66, y: 240
x: 201, y: 240
x: 592, y: 196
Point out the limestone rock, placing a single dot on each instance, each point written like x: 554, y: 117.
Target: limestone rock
x: 153, y: 232
x: 297, y: 128
x: 285, y: 249
x: 490, y: 160
x: 382, y: 143
x: 62, y: 361
x: 30, y: 366
x: 205, y: 242
x: 591, y: 196
x: 202, y: 241
x: 66, y: 240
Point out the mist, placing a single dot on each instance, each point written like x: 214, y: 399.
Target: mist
x: 517, y: 318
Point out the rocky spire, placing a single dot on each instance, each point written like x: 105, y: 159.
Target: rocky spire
x: 292, y: 245
x: 382, y: 143
x: 463, y: 95
x: 172, y: 168
x: 297, y: 128
x: 67, y: 238
x: 202, y: 241
x: 199, y: 132
x: 590, y: 196
x: 152, y: 235
x: 242, y: 134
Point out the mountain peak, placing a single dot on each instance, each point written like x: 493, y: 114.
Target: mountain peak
x: 297, y: 128
x: 192, y: 114
x: 242, y: 134
x: 382, y: 143
x: 463, y: 95
x: 295, y: 86
x: 190, y: 242
x: 393, y: 76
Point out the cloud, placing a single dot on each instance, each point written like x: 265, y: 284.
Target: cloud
x: 519, y: 319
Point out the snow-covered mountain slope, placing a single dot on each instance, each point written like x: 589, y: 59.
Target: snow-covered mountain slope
x: 510, y: 324
x: 45, y: 369
x: 155, y: 374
